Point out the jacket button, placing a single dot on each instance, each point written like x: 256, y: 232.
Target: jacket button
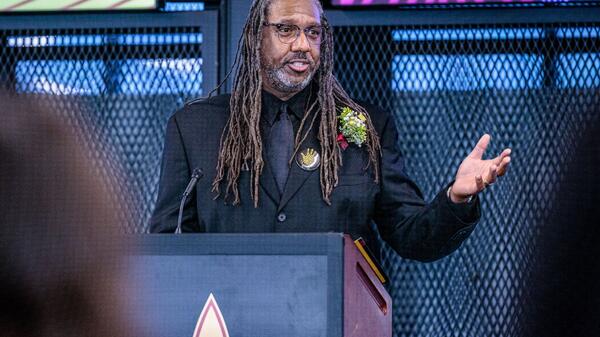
x: 462, y: 234
x: 281, y: 217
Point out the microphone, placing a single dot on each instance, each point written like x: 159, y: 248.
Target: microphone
x: 196, y: 175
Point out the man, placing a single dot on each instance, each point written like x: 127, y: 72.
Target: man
x: 289, y: 151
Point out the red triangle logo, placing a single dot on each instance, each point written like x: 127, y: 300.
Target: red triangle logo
x: 211, y: 322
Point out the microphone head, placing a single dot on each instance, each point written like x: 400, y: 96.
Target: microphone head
x: 198, y: 173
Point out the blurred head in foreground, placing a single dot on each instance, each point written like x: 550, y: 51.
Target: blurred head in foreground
x: 59, y: 269
x: 565, y: 286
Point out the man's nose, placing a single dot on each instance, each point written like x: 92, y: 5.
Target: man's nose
x: 301, y: 43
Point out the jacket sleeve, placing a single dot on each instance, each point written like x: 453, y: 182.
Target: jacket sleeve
x: 413, y: 228
x: 174, y: 177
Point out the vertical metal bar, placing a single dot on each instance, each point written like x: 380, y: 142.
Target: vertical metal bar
x: 210, y: 63
x: 8, y: 67
x: 238, y: 11
x: 550, y: 55
x: 224, y: 36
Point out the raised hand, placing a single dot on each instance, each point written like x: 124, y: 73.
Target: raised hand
x: 475, y: 174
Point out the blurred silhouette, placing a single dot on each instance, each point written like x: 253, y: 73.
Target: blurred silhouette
x: 59, y: 248
x: 565, y: 284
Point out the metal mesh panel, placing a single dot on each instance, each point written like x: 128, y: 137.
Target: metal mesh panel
x: 117, y: 86
x: 533, y: 88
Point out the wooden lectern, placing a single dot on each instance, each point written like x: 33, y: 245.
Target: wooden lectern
x: 255, y: 285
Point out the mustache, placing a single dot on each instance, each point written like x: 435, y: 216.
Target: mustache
x: 299, y: 56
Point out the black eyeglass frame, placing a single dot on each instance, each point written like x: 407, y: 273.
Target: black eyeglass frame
x: 278, y: 26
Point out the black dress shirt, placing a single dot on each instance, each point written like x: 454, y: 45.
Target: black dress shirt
x: 297, y: 105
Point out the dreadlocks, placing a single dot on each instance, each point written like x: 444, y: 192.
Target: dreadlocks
x: 241, y: 143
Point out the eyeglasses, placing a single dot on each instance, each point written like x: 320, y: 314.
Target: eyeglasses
x: 288, y: 33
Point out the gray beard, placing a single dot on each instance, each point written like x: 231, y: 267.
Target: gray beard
x: 280, y: 81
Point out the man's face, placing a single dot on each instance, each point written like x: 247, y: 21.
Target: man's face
x: 287, y: 68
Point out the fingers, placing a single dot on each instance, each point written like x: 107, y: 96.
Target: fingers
x: 504, y: 154
x: 491, y: 175
x: 490, y: 178
x: 503, y: 166
x: 481, y: 146
x: 498, y: 166
x: 479, y: 183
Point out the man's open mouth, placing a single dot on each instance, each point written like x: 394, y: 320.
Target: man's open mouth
x: 298, y: 66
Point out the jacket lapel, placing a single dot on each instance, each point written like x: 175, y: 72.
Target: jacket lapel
x: 298, y: 176
x: 268, y: 183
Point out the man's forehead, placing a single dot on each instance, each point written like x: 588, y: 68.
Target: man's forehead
x: 294, y: 11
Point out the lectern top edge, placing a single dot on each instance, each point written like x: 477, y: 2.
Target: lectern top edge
x: 236, y: 244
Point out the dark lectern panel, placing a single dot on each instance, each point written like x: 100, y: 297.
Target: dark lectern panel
x: 264, y: 294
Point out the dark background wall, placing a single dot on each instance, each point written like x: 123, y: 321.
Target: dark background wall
x: 528, y: 76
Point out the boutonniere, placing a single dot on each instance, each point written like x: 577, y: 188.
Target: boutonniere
x: 352, y: 127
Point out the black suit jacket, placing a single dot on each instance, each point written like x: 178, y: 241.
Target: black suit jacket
x: 416, y: 230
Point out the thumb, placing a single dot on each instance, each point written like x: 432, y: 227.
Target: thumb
x: 480, y: 148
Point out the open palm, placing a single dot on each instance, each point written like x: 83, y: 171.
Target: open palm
x: 475, y: 174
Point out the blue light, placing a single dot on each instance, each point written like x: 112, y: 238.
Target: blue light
x: 578, y: 70
x: 56, y: 40
x: 465, y: 34
x: 423, y: 73
x: 100, y: 40
x: 161, y: 76
x: 184, y: 6
x: 60, y: 77
x: 134, y: 77
x: 578, y: 32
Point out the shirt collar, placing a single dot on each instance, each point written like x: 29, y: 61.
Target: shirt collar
x: 271, y: 105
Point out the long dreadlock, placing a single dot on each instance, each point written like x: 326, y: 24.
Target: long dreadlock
x: 241, y: 143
